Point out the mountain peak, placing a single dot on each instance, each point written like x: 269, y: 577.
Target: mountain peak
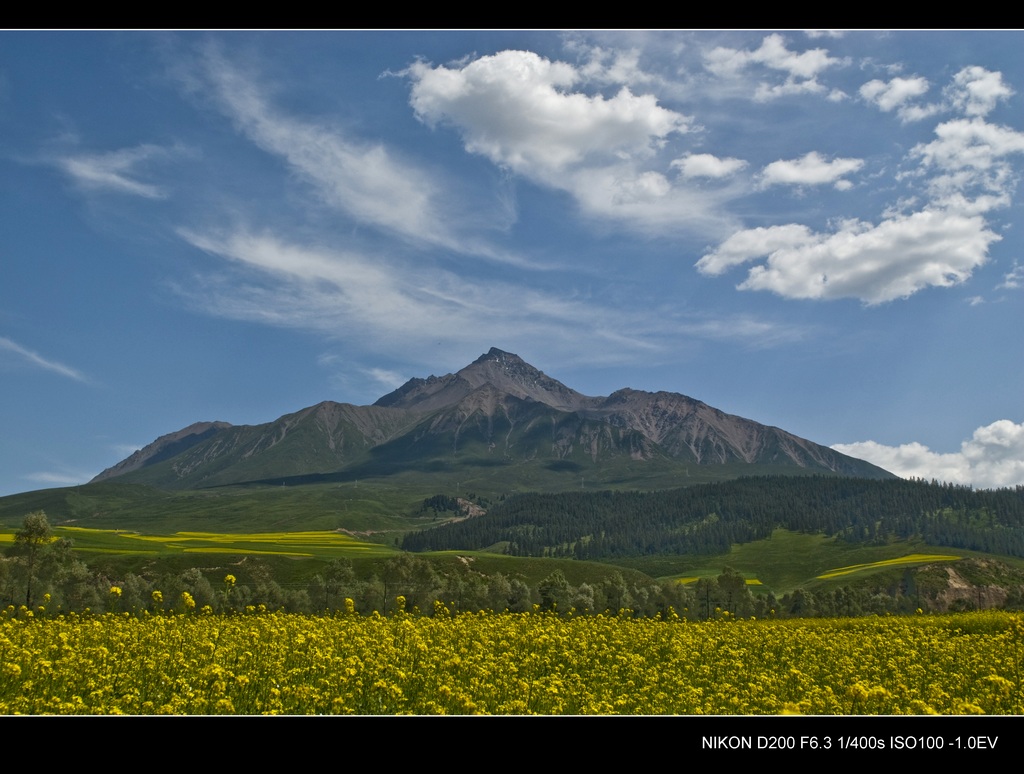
x: 504, y: 371
x: 500, y: 355
x: 500, y: 406
x: 510, y: 374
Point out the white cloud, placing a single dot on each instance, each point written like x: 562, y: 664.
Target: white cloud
x: 38, y: 360
x: 60, y: 478
x: 113, y: 171
x: 707, y: 165
x: 801, y: 69
x: 1013, y: 279
x: 966, y: 172
x: 771, y: 53
x: 896, y: 94
x: 390, y: 379
x: 874, y: 263
x: 612, y: 66
x: 993, y: 457
x: 515, y: 108
x: 366, y: 180
x: 811, y: 169
x: 348, y: 295
x: 790, y: 87
x: 892, y: 95
x: 975, y: 91
x: 521, y: 111
x: 969, y: 159
x: 403, y: 308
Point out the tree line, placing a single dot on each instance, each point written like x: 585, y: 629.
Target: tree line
x: 710, y: 518
x: 41, y: 574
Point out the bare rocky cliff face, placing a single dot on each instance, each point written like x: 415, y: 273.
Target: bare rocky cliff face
x: 499, y: 407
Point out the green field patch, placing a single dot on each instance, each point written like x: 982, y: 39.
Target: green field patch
x: 909, y: 559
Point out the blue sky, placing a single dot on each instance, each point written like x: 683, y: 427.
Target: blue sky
x: 818, y: 231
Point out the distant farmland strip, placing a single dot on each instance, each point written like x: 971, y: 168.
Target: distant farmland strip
x: 299, y: 544
x: 909, y: 559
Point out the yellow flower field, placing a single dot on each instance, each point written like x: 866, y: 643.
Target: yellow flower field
x: 507, y: 664
x: 909, y: 559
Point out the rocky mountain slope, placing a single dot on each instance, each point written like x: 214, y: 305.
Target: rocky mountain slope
x: 497, y: 411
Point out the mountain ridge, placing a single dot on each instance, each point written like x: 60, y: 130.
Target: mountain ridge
x: 497, y: 411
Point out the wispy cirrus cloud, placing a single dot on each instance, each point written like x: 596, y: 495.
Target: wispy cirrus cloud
x: 368, y: 180
x: 114, y: 171
x: 59, y: 478
x: 1013, y: 279
x: 35, y: 359
x: 399, y: 307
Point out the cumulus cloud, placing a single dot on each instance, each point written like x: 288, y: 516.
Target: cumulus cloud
x: 968, y: 159
x: 771, y: 53
x: 992, y: 457
x: 975, y: 91
x: 966, y: 172
x: 874, y: 263
x: 801, y: 69
x: 6, y: 345
x: 516, y: 109
x: 114, y: 171
x: 707, y: 165
x: 897, y: 95
x: 529, y: 115
x: 612, y: 66
x: 811, y: 169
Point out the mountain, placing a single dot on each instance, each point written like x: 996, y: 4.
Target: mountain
x: 499, y: 413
